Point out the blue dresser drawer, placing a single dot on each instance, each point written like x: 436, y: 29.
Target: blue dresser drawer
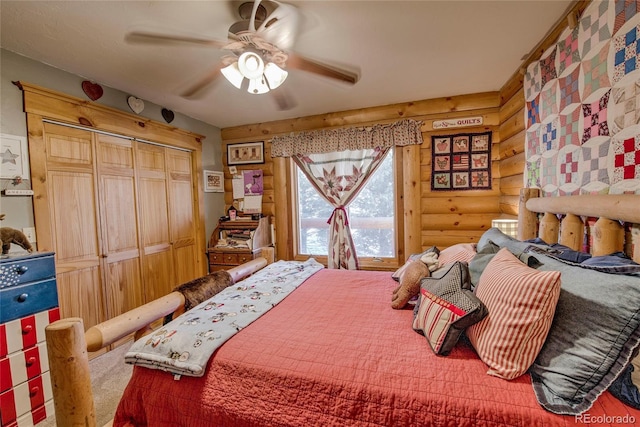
x: 15, y: 270
x: 23, y: 300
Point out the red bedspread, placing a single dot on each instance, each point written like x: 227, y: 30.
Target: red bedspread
x: 334, y: 353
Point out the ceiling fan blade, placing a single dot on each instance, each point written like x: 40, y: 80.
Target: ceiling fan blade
x: 198, y: 90
x: 283, y: 98
x: 156, y: 38
x: 298, y: 62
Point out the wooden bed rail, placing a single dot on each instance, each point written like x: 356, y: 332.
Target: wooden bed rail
x: 68, y: 346
x: 623, y: 207
x: 607, y: 235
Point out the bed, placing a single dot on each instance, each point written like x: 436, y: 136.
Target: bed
x: 333, y: 352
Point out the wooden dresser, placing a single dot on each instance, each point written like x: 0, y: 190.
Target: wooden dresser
x: 28, y: 303
x: 235, y: 242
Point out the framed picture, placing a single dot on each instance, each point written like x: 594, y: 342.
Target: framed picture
x: 244, y: 154
x: 213, y: 182
x: 15, y: 160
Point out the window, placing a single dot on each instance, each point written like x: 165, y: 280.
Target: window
x: 371, y: 216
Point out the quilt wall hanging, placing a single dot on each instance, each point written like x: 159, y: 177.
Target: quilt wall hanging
x: 461, y: 162
x: 582, y: 110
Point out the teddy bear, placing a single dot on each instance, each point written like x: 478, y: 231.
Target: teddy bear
x: 410, y: 275
x: 10, y: 235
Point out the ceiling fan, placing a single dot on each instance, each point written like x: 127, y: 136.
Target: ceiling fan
x: 260, y: 52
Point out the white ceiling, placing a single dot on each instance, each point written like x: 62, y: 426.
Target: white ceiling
x: 405, y: 50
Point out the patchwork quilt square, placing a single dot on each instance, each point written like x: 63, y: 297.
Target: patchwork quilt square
x: 568, y: 52
x: 533, y: 111
x: 568, y: 167
x: 594, y: 27
x: 569, y: 89
x: 549, y: 171
x: 626, y: 159
x: 594, y: 72
x: 533, y: 173
x: 532, y: 81
x: 593, y: 162
x: 533, y: 142
x: 549, y: 136
x: 549, y: 100
x: 624, y: 11
x: 595, y: 118
x: 569, y: 128
x: 626, y: 53
x: 548, y: 68
x: 625, y: 107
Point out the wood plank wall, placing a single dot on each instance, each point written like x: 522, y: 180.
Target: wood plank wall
x: 446, y: 218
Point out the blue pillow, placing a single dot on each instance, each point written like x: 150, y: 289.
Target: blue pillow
x: 616, y: 263
x: 594, y: 332
x: 625, y: 390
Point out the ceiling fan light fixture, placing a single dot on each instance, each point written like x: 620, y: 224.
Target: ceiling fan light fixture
x: 251, y: 65
x: 275, y: 75
x: 258, y: 86
x: 233, y: 74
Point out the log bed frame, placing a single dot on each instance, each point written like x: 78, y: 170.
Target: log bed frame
x: 68, y: 345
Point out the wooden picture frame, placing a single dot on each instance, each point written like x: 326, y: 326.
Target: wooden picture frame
x: 213, y: 181
x: 15, y: 157
x: 246, y: 153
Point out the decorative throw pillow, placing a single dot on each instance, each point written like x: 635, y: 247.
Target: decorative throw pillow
x: 460, y: 252
x: 521, y: 303
x: 446, y: 308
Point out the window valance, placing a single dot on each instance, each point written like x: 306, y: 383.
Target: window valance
x: 400, y: 133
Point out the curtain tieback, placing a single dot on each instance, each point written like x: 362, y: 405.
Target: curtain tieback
x: 346, y: 217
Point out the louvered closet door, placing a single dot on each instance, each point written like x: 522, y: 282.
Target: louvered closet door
x: 158, y: 269
x: 181, y: 215
x: 72, y: 208
x: 119, y: 225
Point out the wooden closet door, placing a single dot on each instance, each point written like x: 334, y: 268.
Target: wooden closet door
x: 72, y: 208
x: 158, y: 269
x: 119, y: 225
x: 181, y: 215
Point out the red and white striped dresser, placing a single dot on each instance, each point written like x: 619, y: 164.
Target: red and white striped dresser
x: 28, y: 303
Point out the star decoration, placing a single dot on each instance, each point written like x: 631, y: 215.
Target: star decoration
x: 9, y: 157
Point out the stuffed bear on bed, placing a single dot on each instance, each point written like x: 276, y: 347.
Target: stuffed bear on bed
x: 409, y: 277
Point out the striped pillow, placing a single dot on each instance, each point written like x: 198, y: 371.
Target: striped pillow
x: 446, y: 308
x: 521, y: 303
x: 463, y: 252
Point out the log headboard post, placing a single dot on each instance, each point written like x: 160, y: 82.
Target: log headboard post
x: 527, y: 220
x: 69, y: 368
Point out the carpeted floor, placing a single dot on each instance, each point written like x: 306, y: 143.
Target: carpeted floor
x: 109, y: 377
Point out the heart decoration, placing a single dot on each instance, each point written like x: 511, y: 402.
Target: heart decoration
x: 92, y: 90
x: 168, y: 115
x: 136, y: 104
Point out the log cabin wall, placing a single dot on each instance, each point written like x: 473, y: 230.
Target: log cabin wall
x: 440, y: 219
x: 430, y: 218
